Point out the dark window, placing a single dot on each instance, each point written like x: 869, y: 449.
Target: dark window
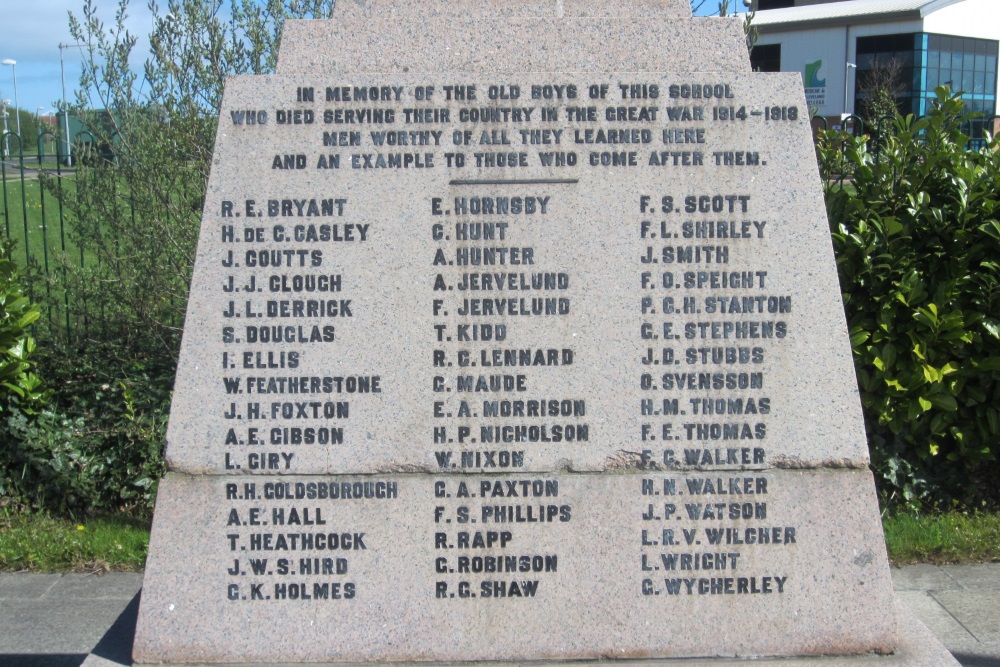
x: 891, y: 61
x: 774, y: 4
x: 766, y: 58
x: 962, y: 63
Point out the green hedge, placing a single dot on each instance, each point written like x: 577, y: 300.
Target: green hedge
x: 97, y: 445
x: 917, y: 241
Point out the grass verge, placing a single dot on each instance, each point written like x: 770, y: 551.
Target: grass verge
x: 30, y: 215
x: 943, y: 538
x: 38, y: 543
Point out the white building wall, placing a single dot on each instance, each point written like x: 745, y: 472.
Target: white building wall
x: 970, y: 18
x: 824, y: 46
x: 835, y: 47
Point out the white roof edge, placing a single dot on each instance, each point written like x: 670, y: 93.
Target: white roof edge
x: 935, y: 5
x: 847, y: 12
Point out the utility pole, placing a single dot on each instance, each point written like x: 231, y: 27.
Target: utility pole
x: 17, y: 107
x: 62, y: 69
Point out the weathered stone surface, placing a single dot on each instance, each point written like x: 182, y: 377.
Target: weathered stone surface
x: 552, y: 278
x: 430, y: 40
x: 590, y: 235
x: 425, y: 572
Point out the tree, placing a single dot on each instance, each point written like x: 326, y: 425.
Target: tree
x: 881, y: 87
x: 138, y: 199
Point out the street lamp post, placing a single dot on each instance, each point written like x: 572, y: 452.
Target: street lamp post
x: 17, y: 107
x: 6, y: 139
x: 847, y: 80
x: 38, y: 129
x: 62, y: 69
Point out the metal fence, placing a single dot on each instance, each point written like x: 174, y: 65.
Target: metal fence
x: 35, y: 184
x: 977, y: 129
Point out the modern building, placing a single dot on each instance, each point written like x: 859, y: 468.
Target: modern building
x: 844, y: 48
x: 85, y: 142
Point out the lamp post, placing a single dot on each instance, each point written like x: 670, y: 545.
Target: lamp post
x: 17, y: 108
x: 38, y: 129
x: 62, y: 69
x: 847, y: 80
x: 6, y: 139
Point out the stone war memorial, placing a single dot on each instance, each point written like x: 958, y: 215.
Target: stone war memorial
x: 515, y: 335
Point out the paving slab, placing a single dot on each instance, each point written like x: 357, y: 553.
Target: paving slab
x: 52, y: 626
x: 111, y: 586
x: 936, y: 617
x: 976, y: 610
x: 18, y: 585
x: 922, y: 577
x: 978, y: 576
x: 115, y: 647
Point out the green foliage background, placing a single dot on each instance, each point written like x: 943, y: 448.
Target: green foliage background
x: 21, y: 390
x: 97, y: 445
x: 917, y: 240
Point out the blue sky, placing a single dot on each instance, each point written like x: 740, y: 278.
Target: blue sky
x: 32, y: 30
x: 31, y: 33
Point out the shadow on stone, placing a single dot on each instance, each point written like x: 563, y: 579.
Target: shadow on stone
x: 971, y: 660
x: 43, y: 660
x: 116, y: 644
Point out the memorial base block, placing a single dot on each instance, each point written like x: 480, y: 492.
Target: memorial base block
x: 747, y: 563
x: 917, y: 647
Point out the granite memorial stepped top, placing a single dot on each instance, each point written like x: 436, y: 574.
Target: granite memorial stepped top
x: 514, y: 334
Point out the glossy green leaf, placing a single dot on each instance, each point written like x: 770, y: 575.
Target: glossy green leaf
x: 944, y: 402
x: 858, y: 337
